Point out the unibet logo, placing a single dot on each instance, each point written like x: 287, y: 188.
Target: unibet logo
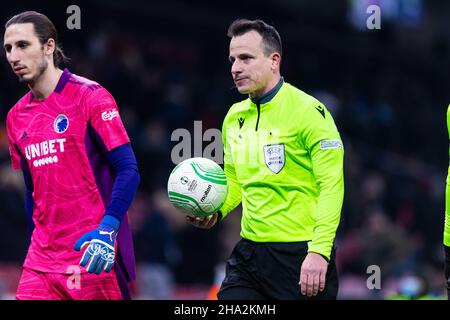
x: 206, y: 193
x: 44, y: 151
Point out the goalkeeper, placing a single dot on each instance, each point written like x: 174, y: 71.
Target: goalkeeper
x: 284, y: 162
x: 66, y: 136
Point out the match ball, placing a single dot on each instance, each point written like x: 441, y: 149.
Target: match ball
x: 198, y: 187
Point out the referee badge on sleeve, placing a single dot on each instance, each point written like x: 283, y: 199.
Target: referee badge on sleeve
x: 330, y: 144
x: 274, y: 157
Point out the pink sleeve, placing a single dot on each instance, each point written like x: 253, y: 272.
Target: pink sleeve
x: 103, y: 116
x: 15, y: 156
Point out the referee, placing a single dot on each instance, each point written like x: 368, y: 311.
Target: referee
x: 284, y: 162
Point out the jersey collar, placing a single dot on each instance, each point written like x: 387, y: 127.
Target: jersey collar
x: 268, y: 95
x: 63, y: 79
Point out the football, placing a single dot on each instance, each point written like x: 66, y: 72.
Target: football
x: 197, y: 186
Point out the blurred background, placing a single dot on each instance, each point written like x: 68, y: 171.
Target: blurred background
x: 166, y: 64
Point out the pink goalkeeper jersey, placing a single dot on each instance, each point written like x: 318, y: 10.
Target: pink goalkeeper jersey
x: 62, y: 141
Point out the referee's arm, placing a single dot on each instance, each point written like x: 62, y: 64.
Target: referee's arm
x: 321, y: 138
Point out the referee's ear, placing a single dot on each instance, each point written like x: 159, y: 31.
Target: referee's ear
x: 276, y: 61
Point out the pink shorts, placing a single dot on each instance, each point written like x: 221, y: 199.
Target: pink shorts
x: 36, y: 285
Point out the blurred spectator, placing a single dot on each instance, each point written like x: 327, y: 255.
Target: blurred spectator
x: 157, y: 252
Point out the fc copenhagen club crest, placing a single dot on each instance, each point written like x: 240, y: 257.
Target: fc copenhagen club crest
x: 274, y: 157
x: 61, y: 123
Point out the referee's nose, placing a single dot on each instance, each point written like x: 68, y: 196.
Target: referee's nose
x: 236, y: 68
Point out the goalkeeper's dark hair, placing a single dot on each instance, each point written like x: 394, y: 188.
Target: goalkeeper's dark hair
x: 271, y: 39
x: 44, y: 29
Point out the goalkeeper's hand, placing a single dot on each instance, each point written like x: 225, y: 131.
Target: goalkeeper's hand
x: 101, y: 242
x: 447, y: 268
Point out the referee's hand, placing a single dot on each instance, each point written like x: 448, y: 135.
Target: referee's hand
x: 312, y: 274
x: 203, y: 222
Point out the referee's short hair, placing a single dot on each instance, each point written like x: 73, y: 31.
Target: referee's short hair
x: 271, y: 39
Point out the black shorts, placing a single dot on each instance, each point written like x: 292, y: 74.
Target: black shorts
x: 271, y: 270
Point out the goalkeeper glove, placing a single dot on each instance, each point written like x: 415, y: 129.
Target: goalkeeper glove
x: 447, y: 269
x: 101, y: 250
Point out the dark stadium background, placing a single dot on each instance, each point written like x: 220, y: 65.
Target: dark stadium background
x: 165, y: 62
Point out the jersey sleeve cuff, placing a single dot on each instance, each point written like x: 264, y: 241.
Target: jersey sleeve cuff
x: 447, y: 239
x: 325, y: 253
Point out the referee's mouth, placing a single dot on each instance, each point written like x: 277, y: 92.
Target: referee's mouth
x: 239, y: 79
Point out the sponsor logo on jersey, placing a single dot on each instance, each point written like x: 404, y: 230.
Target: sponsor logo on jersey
x: 24, y: 136
x: 109, y: 115
x: 321, y: 110
x: 44, y: 152
x: 241, y: 122
x: 61, y: 123
x: 330, y: 144
x: 274, y: 157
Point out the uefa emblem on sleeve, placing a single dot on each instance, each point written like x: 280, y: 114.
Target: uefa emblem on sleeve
x: 61, y: 123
